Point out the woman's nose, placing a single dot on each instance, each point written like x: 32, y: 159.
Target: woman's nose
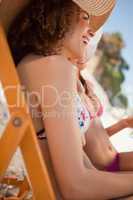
x: 91, y: 33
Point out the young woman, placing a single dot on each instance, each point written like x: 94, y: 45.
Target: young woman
x: 47, y: 39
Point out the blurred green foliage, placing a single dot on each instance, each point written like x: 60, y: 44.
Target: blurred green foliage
x: 111, y: 69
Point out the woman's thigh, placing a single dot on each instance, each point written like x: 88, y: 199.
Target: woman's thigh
x: 126, y: 164
x: 126, y: 161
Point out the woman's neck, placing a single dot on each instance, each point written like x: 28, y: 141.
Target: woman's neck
x: 65, y: 52
x: 71, y: 58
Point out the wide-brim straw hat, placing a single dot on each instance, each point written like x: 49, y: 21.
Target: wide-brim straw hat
x: 98, y: 10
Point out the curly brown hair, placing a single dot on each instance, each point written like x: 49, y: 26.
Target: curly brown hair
x: 41, y: 26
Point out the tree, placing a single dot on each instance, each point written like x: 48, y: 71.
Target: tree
x: 110, y: 71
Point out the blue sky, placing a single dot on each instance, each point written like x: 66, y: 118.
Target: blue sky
x: 121, y: 20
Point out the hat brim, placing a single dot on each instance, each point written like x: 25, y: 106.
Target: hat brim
x: 98, y: 10
x: 97, y: 21
x: 95, y: 7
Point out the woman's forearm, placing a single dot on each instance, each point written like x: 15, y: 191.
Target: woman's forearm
x: 99, y: 185
x: 116, y: 127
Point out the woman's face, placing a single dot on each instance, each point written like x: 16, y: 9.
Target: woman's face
x: 76, y: 43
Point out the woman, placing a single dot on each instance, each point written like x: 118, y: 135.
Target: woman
x: 47, y: 39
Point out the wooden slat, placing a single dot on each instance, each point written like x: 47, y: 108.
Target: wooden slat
x: 26, y: 138
x: 37, y: 173
x: 10, y: 140
x: 8, y: 74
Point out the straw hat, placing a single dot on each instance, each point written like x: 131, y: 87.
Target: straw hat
x: 99, y: 11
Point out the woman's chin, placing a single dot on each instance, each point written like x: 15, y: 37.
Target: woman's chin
x: 82, y: 65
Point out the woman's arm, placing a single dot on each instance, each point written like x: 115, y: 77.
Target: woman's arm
x: 116, y: 127
x: 122, y: 124
x: 75, y: 179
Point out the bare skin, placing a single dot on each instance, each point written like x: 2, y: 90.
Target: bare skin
x: 101, y: 151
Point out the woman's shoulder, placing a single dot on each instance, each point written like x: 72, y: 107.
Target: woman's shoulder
x: 35, y: 60
x: 54, y: 69
x: 47, y: 64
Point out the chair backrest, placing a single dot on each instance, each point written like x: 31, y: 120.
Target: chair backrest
x: 20, y: 130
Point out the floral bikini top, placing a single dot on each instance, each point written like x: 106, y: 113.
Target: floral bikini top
x: 84, y: 116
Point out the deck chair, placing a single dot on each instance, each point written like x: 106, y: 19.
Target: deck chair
x: 19, y: 131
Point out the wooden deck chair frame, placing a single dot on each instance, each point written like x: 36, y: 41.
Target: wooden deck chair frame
x: 20, y: 132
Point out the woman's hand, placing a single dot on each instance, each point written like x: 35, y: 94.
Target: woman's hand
x: 120, y: 125
x: 129, y: 122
